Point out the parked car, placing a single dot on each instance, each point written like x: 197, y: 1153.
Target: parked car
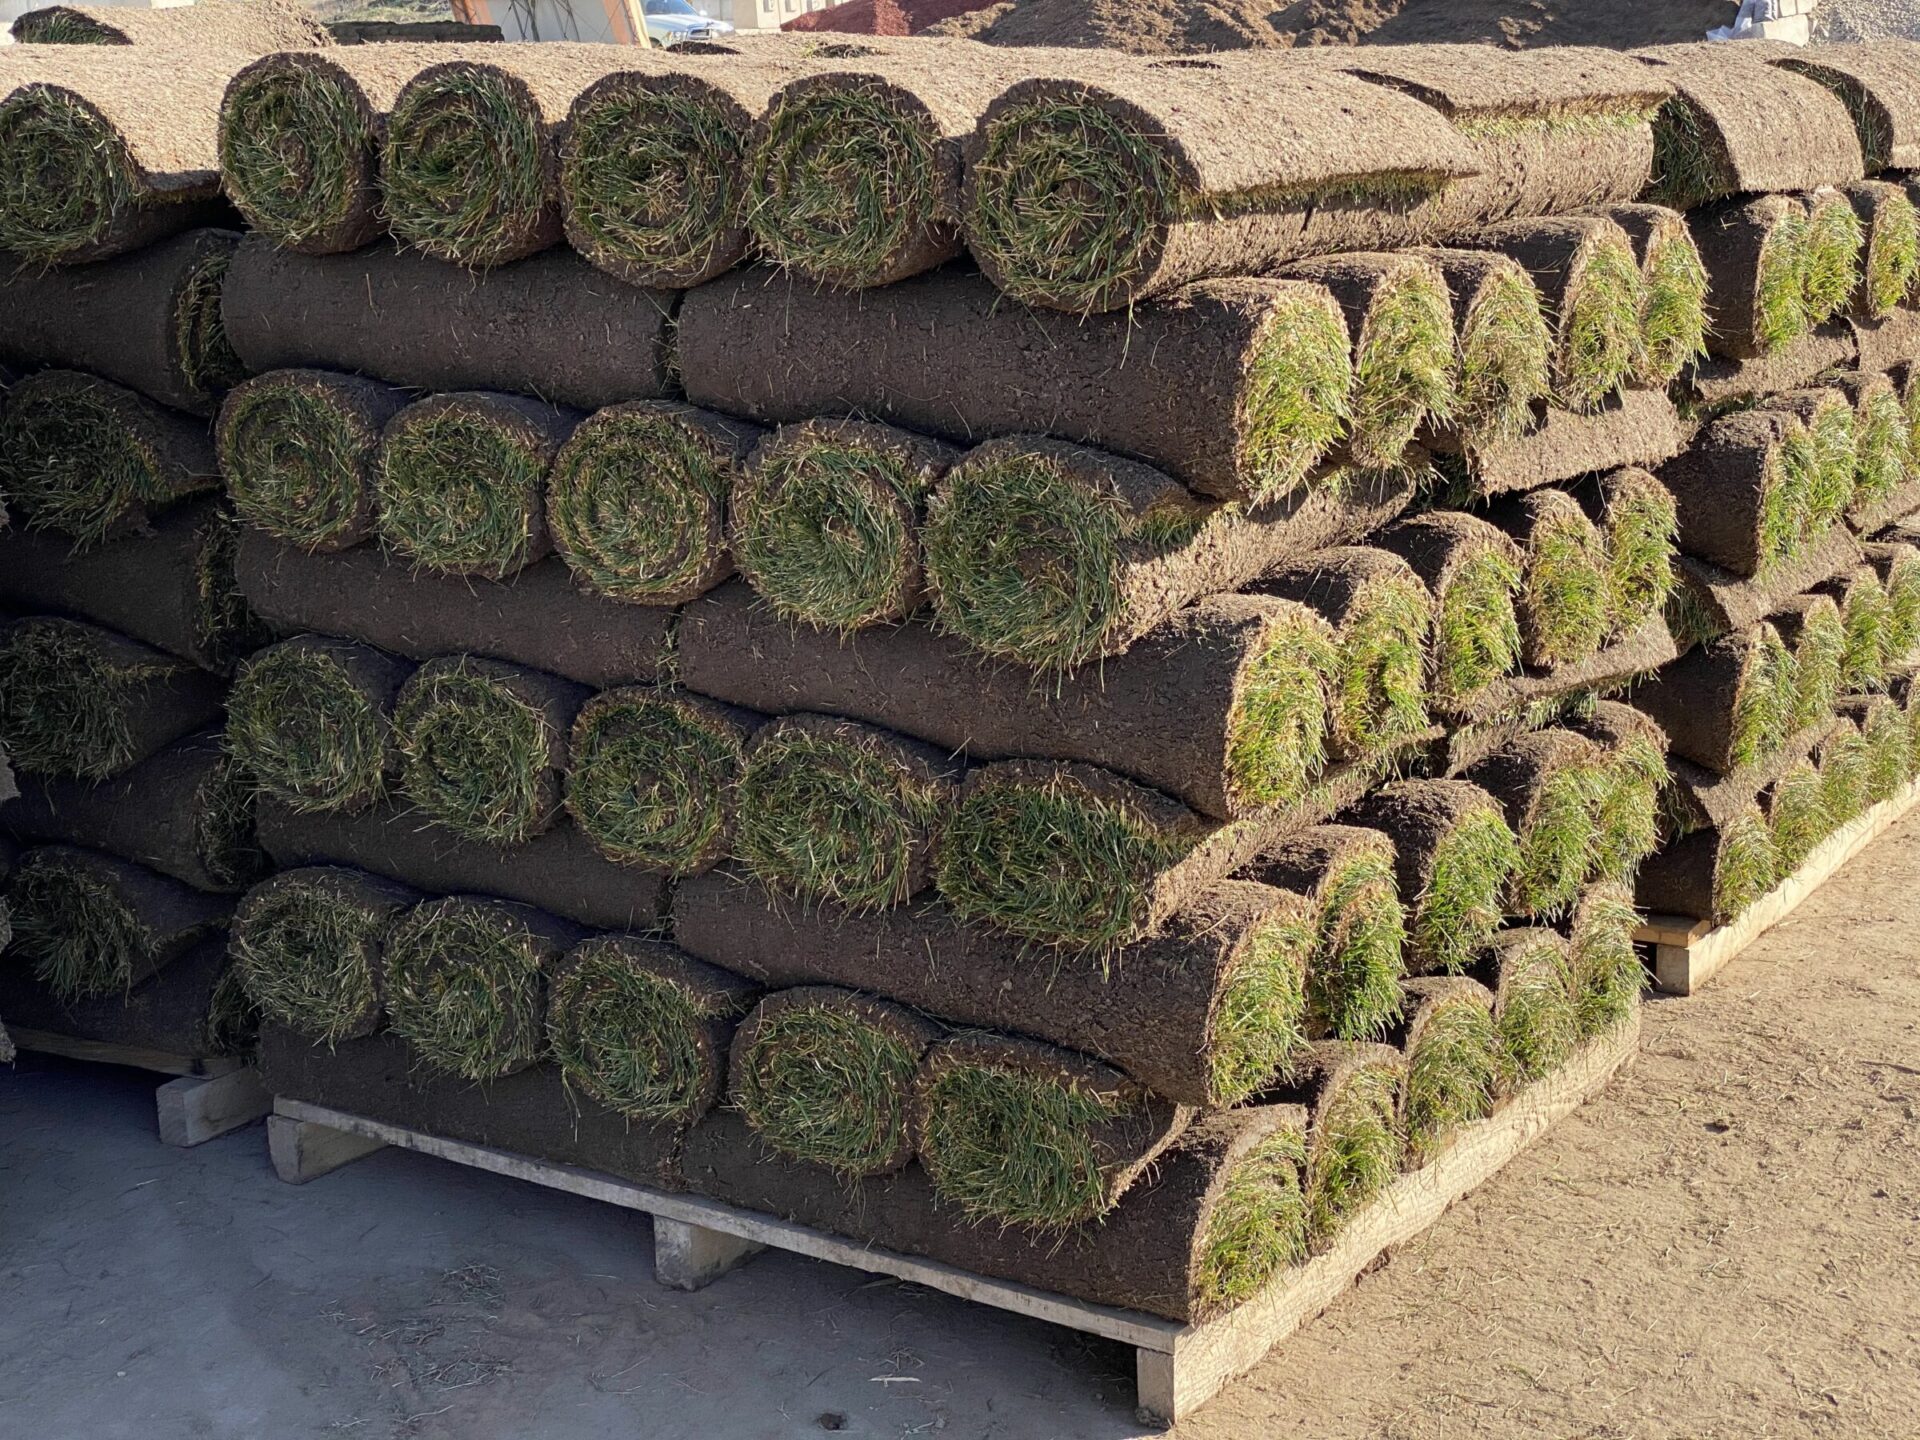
x: 674, y: 22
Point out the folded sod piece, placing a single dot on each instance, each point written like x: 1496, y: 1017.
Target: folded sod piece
x: 1566, y: 593
x: 1835, y: 248
x: 172, y: 587
x: 80, y: 701
x: 482, y: 746
x: 1727, y: 703
x: 1207, y: 1012
x: 653, y: 776
x: 642, y: 1028
x: 1885, y: 473
x: 1740, y: 491
x: 1639, y: 529
x: 150, y: 321
x: 1892, y: 247
x: 1630, y: 782
x: 1356, y: 1133
x: 1353, y: 979
x: 311, y: 719
x: 1640, y: 427
x: 103, y: 151
x: 1715, y: 382
x: 540, y: 617
x: 1605, y: 968
x: 254, y: 27
x: 1823, y: 466
x: 1755, y: 253
x: 830, y: 809
x: 637, y: 500
x: 1795, y: 806
x: 1473, y: 571
x: 310, y: 946
x: 299, y: 452
x: 1016, y: 1132
x: 1453, y: 1061
x: 1335, y: 159
x: 89, y: 924
x: 1453, y: 858
x: 552, y: 326
x: 1545, y: 787
x: 462, y: 482
x: 194, y: 1007
x: 1720, y: 135
x: 1503, y: 346
x: 1843, y: 761
x: 1811, y: 628
x: 1697, y: 797
x: 825, y: 522
x: 89, y: 459
x: 1865, y: 616
x: 1054, y: 556
x: 1887, y: 757
x: 557, y: 871
x: 1897, y: 564
x: 1239, y: 388
x: 1710, y: 601
x: 1674, y: 288
x: 1889, y: 343
x: 1715, y: 874
x: 1222, y: 706
x: 185, y: 811
x: 1876, y: 83
x: 1534, y: 1004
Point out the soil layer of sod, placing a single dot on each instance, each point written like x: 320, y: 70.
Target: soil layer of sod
x: 1735, y: 494
x: 311, y: 719
x: 1755, y: 255
x: 551, y: 326
x: 150, y: 321
x: 1877, y: 85
x: 190, y: 1008
x: 539, y: 618
x: 1640, y: 427
x: 1883, y: 344
x: 1712, y: 875
x: 1701, y: 798
x: 1711, y: 601
x: 1712, y: 383
x: 1727, y: 703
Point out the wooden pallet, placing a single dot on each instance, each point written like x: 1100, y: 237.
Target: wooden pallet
x: 1177, y: 1367
x: 211, y: 1096
x: 1687, y: 953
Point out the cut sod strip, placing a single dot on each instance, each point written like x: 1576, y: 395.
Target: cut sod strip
x: 1356, y: 1139
x: 1593, y: 295
x: 80, y: 701
x: 1454, y: 859
x: 1740, y: 491
x: 1020, y: 1133
x: 253, y: 28
x: 1892, y: 254
x: 91, y: 460
x: 93, y: 926
x: 482, y: 746
x: 653, y: 774
x: 1713, y: 875
x: 1884, y: 457
x: 312, y: 720
x: 1876, y: 84
x: 1353, y: 980
x: 826, y: 1076
x: 1639, y: 531
x: 1842, y: 757
x: 1453, y: 1061
x: 1534, y: 1005
x: 1608, y: 977
x: 1823, y: 463
x: 1674, y: 281
x: 1629, y: 779
x: 1382, y: 618
x: 1399, y: 311
x: 150, y: 321
x: 637, y: 501
x: 642, y: 1028
x: 1565, y: 592
x: 1815, y: 634
x: 1239, y: 388
x: 1473, y: 570
x: 1755, y: 253
x: 1197, y: 200
x: 830, y: 809
x: 299, y: 452
x: 1796, y: 809
x: 1504, y: 348
x: 462, y: 482
x: 1864, y: 617
x: 1727, y: 703
x: 1835, y: 240
x: 825, y: 522
x: 1241, y: 1178
x: 1544, y: 785
x: 310, y: 944
x: 1898, y: 566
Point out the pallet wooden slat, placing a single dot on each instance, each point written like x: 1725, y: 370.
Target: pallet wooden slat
x: 71, y: 1047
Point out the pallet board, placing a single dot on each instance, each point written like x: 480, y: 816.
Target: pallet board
x: 1178, y: 1367
x: 211, y: 1096
x: 1687, y: 953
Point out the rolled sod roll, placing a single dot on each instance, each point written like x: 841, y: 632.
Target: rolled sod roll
x: 90, y: 460
x: 1714, y: 874
x: 1356, y: 1134
x: 1382, y: 618
x: 1502, y: 342
x: 1639, y: 529
x: 826, y: 1076
x: 299, y: 452
x: 149, y: 321
x: 1640, y: 427
x: 1353, y: 979
x: 539, y: 617
x: 466, y: 983
x: 82, y: 702
x: 1823, y: 465
x: 1207, y: 1012
x: 1795, y: 806
x: 90, y: 924
x: 1565, y: 593
x: 637, y: 500
x: 104, y: 151
x: 825, y: 521
x: 1755, y: 255
x: 254, y: 27
x: 172, y: 587
x: 643, y: 1028
x: 1630, y: 782
x: 1022, y: 1133
x: 1717, y: 382
x: 1453, y: 1061
x: 653, y: 776
x: 312, y: 720
x: 310, y: 946
x: 552, y: 326
x: 1844, y: 760
x: 1888, y: 756
x: 1875, y: 81
x: 1897, y: 564
x: 1544, y: 785
x: 1453, y: 860
x: 1239, y: 388
x: 1591, y: 288
x: 193, y: 1008
x: 1608, y: 976
x: 830, y: 809
x: 1864, y: 618
x: 1726, y: 703
x: 1833, y: 256
x: 1534, y: 1006
x: 482, y: 746
x: 1811, y: 628
x: 1739, y: 501
x: 185, y: 811
x: 1885, y: 463
x: 557, y: 871
x: 462, y: 481
x: 1340, y: 158
x: 1222, y: 706
x: 1674, y: 286
x: 1892, y: 248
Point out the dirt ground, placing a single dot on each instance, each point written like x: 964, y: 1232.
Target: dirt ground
x: 1724, y: 1246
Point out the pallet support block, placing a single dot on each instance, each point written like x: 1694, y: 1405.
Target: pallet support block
x: 692, y: 1257
x: 302, y: 1150
x: 196, y: 1108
